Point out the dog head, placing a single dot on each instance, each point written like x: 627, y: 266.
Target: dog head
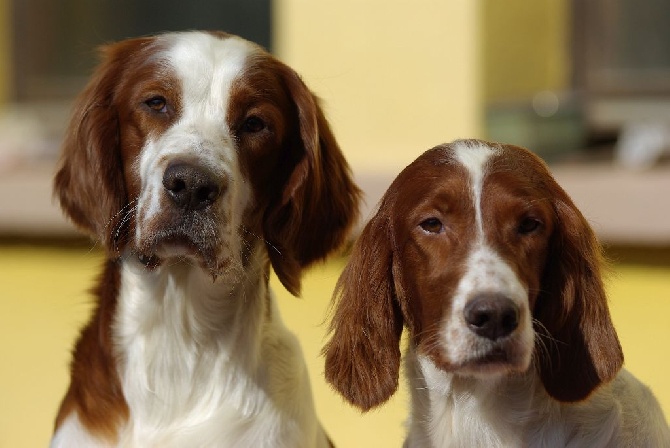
x: 487, y: 262
x: 203, y: 146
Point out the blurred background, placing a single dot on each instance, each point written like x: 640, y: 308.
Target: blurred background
x: 585, y: 84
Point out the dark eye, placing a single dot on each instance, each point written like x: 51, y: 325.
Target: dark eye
x: 157, y: 103
x: 431, y: 225
x: 528, y: 225
x: 253, y: 124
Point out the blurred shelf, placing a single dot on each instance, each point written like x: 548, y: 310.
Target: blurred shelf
x: 26, y: 205
x: 624, y: 207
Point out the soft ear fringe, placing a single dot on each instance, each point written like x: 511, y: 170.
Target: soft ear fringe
x: 89, y: 163
x: 581, y: 349
x: 89, y: 181
x: 319, y: 203
x: 363, y: 354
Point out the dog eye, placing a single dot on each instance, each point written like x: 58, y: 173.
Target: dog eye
x: 253, y: 124
x: 157, y: 103
x: 432, y: 225
x: 528, y: 225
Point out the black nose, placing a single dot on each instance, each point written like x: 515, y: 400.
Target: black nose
x: 190, y: 187
x: 491, y: 316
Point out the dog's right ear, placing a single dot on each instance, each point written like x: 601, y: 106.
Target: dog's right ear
x: 89, y: 183
x: 363, y: 354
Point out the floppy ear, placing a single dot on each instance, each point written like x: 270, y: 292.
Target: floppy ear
x: 89, y: 183
x: 363, y: 354
x: 319, y: 202
x: 581, y: 349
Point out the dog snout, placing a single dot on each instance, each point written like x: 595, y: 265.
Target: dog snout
x: 191, y: 187
x: 491, y: 316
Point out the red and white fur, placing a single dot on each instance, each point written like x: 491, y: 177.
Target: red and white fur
x: 496, y: 275
x: 197, y: 160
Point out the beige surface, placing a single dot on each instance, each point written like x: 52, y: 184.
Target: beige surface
x: 623, y: 206
x: 44, y: 302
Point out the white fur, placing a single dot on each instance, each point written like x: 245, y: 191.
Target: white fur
x: 473, y: 156
x: 209, y: 363
x: 452, y: 411
x: 204, y: 363
x: 72, y: 433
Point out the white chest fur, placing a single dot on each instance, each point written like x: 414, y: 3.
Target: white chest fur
x: 203, y: 363
x: 515, y: 411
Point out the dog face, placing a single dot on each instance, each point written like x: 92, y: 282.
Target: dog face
x: 470, y: 255
x: 489, y: 265
x: 202, y: 146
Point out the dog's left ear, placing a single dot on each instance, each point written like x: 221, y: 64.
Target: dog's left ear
x: 319, y: 202
x: 581, y: 349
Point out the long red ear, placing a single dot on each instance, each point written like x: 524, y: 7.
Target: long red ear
x: 89, y: 182
x: 579, y: 348
x: 363, y: 354
x: 313, y: 214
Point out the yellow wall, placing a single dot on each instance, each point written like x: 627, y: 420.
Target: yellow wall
x: 525, y: 46
x: 396, y: 77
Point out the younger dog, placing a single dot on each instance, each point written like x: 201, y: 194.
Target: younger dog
x: 197, y: 160
x: 496, y: 275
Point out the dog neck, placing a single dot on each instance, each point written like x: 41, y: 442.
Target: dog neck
x: 449, y: 410
x: 184, y: 341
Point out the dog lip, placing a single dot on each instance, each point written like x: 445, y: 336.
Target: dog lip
x: 495, y: 356
x: 495, y: 360
x: 485, y: 359
x: 180, y: 245
x: 176, y: 244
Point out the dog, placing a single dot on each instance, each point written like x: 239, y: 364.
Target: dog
x: 197, y: 161
x: 496, y: 275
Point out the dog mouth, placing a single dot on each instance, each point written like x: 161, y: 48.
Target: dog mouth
x: 500, y: 359
x: 495, y: 356
x: 193, y: 242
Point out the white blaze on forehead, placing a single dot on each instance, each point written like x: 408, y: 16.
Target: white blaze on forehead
x: 473, y: 156
x: 207, y: 66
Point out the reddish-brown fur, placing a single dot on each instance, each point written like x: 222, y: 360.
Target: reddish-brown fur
x: 95, y: 388
x: 396, y: 275
x: 305, y: 200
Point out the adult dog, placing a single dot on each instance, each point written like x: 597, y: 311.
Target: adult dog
x: 495, y: 273
x: 197, y: 160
